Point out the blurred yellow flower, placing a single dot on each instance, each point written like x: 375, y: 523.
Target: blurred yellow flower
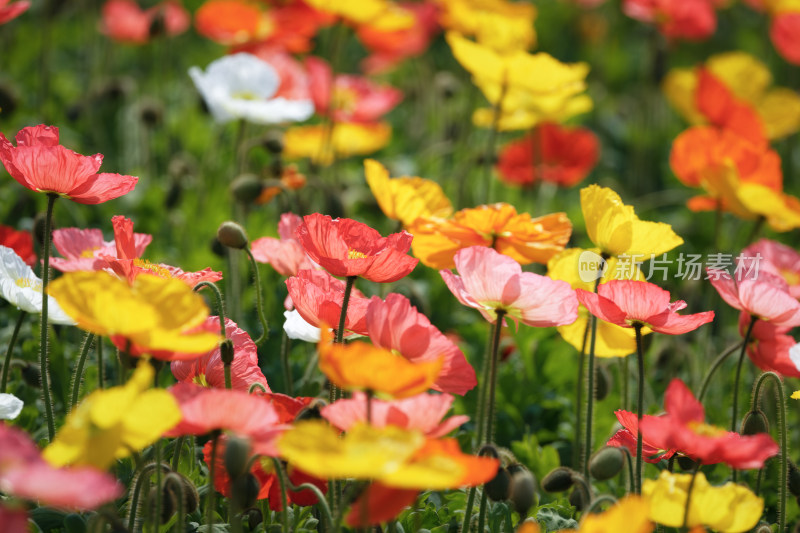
x: 730, y: 508
x: 614, y: 227
x: 749, y: 80
x: 501, y: 25
x: 380, y: 14
x: 111, y: 424
x: 347, y: 139
x: 629, y: 515
x: 406, y: 198
x: 154, y: 314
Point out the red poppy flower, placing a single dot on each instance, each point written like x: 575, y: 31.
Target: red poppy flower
x: 318, y: 297
x: 83, y: 249
x: 627, y: 303
x: 125, y: 21
x: 286, y: 255
x: 683, y: 428
x: 692, y: 20
x: 654, y: 449
x: 551, y: 152
x: 12, y: 10
x: 760, y: 294
x: 784, y: 31
x: 395, y: 325
x: 208, y: 369
x: 345, y: 247
x: 39, y: 163
x: 769, y: 346
x: 19, y: 241
x: 724, y: 110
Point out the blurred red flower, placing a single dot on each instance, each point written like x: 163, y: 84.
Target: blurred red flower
x: 125, y: 21
x: 19, y: 241
x: 10, y: 11
x: 691, y: 20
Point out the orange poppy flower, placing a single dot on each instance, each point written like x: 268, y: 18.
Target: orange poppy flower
x: 232, y: 21
x: 724, y: 110
x: 519, y: 236
x: 358, y: 365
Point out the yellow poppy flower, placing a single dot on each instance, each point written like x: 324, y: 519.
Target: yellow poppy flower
x: 514, y: 118
x: 614, y: 227
x: 629, y: 515
x: 749, y: 80
x: 111, y: 424
x: 380, y: 14
x: 500, y: 25
x: 730, y: 508
x: 796, y: 395
x: 406, y: 199
x: 348, y: 139
x: 154, y: 314
x: 781, y: 211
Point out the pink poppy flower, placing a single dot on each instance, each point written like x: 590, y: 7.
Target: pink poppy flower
x: 654, y: 449
x: 684, y: 429
x: 692, y: 20
x: 776, y: 258
x: 490, y: 281
x: 423, y: 412
x: 350, y: 98
x: 784, y: 31
x: 395, y: 325
x: 318, y: 297
x: 769, y: 347
x: 39, y: 163
x: 12, y: 10
x: 24, y: 474
x: 286, y: 255
x: 294, y: 84
x: 125, y: 21
x: 627, y: 303
x: 208, y: 369
x: 346, y: 248
x: 19, y: 241
x: 761, y: 294
x: 83, y: 249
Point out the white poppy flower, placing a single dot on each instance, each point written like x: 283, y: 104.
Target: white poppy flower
x: 10, y: 406
x: 241, y: 86
x: 297, y: 328
x: 20, y: 286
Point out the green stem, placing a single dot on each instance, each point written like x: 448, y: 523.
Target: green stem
x: 625, y: 377
x: 348, y: 289
x: 11, y: 344
x: 784, y: 480
x: 326, y: 510
x: 689, y: 496
x: 493, y: 361
x: 159, y: 492
x: 587, y: 447
x: 259, y: 299
x: 597, y: 502
x: 176, y: 453
x: 714, y: 367
x: 284, y: 498
x: 219, y: 299
x: 578, y: 451
x: 43, y: 346
x: 482, y: 511
x: 490, y: 147
x: 212, y: 470
x: 101, y: 368
x: 175, y: 480
x: 639, y: 405
x: 133, y: 512
x: 77, y: 377
x: 737, y: 378
x: 287, y: 369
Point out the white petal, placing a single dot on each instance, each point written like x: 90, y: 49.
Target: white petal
x: 794, y: 355
x: 297, y: 328
x: 10, y: 406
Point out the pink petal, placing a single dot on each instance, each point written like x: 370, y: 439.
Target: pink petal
x: 104, y: 187
x: 679, y: 402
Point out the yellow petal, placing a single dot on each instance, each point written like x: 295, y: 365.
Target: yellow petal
x: 152, y: 414
x: 796, y: 395
x: 437, y: 472
x: 406, y: 198
x: 746, y: 76
x: 781, y: 211
x: 629, y: 515
x: 679, y: 87
x: 780, y: 112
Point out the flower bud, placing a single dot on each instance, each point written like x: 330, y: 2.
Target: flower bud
x: 226, y: 351
x: 558, y: 480
x: 244, y: 490
x: 237, y: 454
x: 522, y: 493
x: 246, y: 188
x: 498, y: 488
x: 73, y: 523
x: 755, y: 422
x: 312, y: 411
x: 253, y: 517
x: 763, y: 528
x: 273, y: 141
x: 686, y: 464
x: 32, y: 375
x: 794, y: 479
x: 577, y: 498
x: 9, y: 99
x: 217, y: 248
x: 602, y: 383
x: 606, y: 463
x: 151, y: 112
x: 232, y: 235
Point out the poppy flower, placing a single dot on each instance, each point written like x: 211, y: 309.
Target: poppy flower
x: 10, y: 406
x: 112, y: 423
x: 39, y: 163
x: 770, y: 347
x: 232, y: 21
x: 722, y: 109
x: 153, y: 315
x: 731, y: 508
x: 395, y: 325
x: 552, y: 153
x: 783, y: 31
x: 631, y: 303
x: 285, y: 254
x: 11, y: 10
x: 19, y: 241
x: 490, y: 282
x: 82, y: 248
x: 691, y: 20
x: 614, y: 227
x: 317, y: 143
x: 759, y: 294
x: 630, y: 514
x: 125, y: 21
x: 776, y: 258
x: 361, y: 366
x: 208, y: 369
x: 317, y: 296
x: 381, y: 13
x: 23, y: 289
x: 348, y: 98
x: 683, y: 429
x: 243, y: 86
x: 501, y: 25
x: 14, y: 519
x: 345, y: 247
x: 517, y: 235
x: 423, y: 412
x: 294, y: 83
x: 406, y: 198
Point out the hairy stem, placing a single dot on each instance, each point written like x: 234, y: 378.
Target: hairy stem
x: 11, y: 344
x: 43, y: 345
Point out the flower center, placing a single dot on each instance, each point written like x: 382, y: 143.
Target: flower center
x: 344, y: 99
x: 200, y: 379
x: 28, y: 283
x: 355, y: 254
x: 706, y: 430
x: 158, y: 270
x: 245, y: 95
x: 89, y: 252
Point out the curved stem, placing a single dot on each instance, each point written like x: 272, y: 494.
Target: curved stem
x: 11, y: 344
x: 159, y: 492
x: 173, y: 479
x: 739, y: 372
x: 639, y: 405
x: 287, y: 369
x: 220, y: 301
x: 714, y: 367
x: 784, y: 481
x: 284, y: 498
x: 77, y: 377
x: 597, y: 502
x: 326, y: 510
x: 259, y: 299
x: 688, y: 504
x: 43, y: 345
x: 212, y: 471
x: 133, y: 511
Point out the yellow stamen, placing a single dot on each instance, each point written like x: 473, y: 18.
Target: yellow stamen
x: 28, y: 283
x: 158, y: 270
x: 706, y: 430
x: 355, y: 254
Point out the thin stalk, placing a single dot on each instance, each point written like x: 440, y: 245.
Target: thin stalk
x: 77, y: 377
x: 482, y: 512
x: 176, y: 453
x: 587, y: 447
x: 284, y: 498
x: 784, y: 480
x: 101, y: 368
x: 490, y: 400
x: 488, y: 158
x: 714, y: 367
x: 287, y: 369
x: 43, y: 345
x: 259, y: 299
x: 348, y: 289
x: 219, y: 299
x: 226, y: 370
x: 370, y: 394
x: 177, y: 483
x: 159, y: 493
x: 212, y: 470
x: 738, y: 376
x: 689, y: 496
x: 639, y: 405
x: 11, y: 344
x: 144, y: 475
x: 597, y: 502
x: 578, y: 451
x: 326, y: 510
x: 626, y: 372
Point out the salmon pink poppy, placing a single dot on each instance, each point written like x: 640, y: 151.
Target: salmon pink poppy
x: 784, y: 31
x: 769, y: 347
x: 551, y: 152
x: 760, y: 294
x: 631, y: 303
x: 684, y: 429
x: 83, y: 249
x: 12, y: 10
x: 39, y: 163
x: 395, y: 325
x: 125, y: 21
x: 490, y: 282
x: 208, y: 369
x: 345, y: 247
x: 423, y: 412
x: 285, y: 254
x: 776, y: 258
x: 318, y: 296
x: 19, y: 241
x: 691, y: 20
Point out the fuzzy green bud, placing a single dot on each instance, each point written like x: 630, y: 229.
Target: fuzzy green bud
x: 237, y: 454
x: 558, y: 480
x: 232, y: 235
x: 606, y: 463
x: 755, y: 422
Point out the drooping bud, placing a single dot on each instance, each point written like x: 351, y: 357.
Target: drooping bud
x: 558, y: 480
x: 522, y: 492
x: 232, y: 235
x: 237, y: 454
x: 246, y: 188
x: 603, y: 383
x: 498, y: 488
x: 755, y: 422
x: 273, y: 141
x: 253, y: 517
x: 226, y: 351
x: 686, y: 464
x: 606, y: 463
x: 244, y: 490
x: 577, y: 498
